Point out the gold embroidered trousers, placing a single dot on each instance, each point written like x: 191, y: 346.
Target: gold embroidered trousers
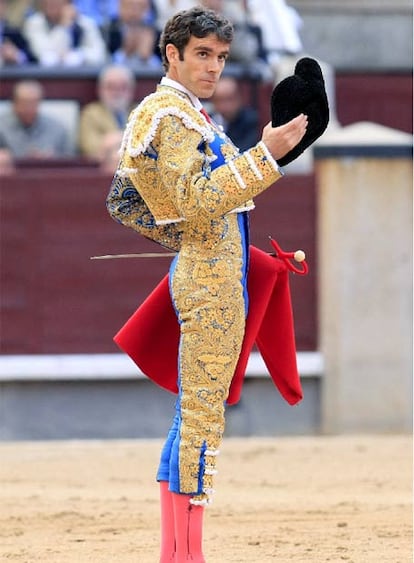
x: 207, y: 283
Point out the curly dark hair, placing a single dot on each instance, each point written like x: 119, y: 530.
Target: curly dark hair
x: 198, y: 22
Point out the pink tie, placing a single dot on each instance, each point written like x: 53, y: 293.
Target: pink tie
x: 203, y: 111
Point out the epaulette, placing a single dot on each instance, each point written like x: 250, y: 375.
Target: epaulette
x: 145, y: 118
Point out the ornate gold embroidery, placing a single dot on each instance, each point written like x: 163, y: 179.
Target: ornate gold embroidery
x: 126, y: 205
x: 208, y: 295
x: 164, y: 158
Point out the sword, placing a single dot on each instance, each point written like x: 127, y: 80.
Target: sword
x: 140, y: 255
x: 298, y: 256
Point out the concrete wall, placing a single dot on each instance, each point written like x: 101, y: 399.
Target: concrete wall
x: 358, y: 34
x: 364, y: 178
x: 104, y: 396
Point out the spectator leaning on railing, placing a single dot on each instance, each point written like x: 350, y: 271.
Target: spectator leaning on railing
x: 58, y: 35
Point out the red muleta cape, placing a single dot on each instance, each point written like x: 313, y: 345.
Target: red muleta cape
x: 151, y: 336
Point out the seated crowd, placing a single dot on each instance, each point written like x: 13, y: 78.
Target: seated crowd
x: 117, y: 37
x: 28, y: 132
x: 72, y: 33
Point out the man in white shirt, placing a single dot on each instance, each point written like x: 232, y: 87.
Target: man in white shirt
x: 58, y: 35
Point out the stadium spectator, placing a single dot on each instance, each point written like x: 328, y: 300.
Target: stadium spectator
x: 58, y: 35
x: 135, y: 17
x: 239, y: 121
x: 137, y: 48
x: 115, y: 91
x: 28, y: 132
x: 14, y: 48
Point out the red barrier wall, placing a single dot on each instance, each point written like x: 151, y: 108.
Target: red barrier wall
x: 54, y: 299
x: 385, y: 99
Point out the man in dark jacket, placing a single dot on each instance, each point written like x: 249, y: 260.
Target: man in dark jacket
x: 239, y: 121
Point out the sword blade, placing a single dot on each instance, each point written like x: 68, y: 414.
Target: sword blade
x: 140, y: 255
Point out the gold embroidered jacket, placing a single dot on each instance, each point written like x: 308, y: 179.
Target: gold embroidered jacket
x: 165, y: 175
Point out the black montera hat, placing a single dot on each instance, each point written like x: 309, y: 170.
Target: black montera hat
x: 303, y: 92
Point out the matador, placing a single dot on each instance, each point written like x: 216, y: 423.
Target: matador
x: 182, y: 183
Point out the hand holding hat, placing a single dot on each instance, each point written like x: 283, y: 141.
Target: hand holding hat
x: 303, y: 92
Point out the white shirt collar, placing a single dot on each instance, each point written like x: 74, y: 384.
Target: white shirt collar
x: 165, y: 81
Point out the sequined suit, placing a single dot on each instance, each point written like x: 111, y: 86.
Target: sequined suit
x: 182, y: 183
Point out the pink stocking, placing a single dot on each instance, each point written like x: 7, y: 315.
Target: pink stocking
x: 188, y: 519
x: 167, y: 525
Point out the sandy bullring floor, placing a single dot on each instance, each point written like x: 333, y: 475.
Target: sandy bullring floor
x: 304, y: 499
